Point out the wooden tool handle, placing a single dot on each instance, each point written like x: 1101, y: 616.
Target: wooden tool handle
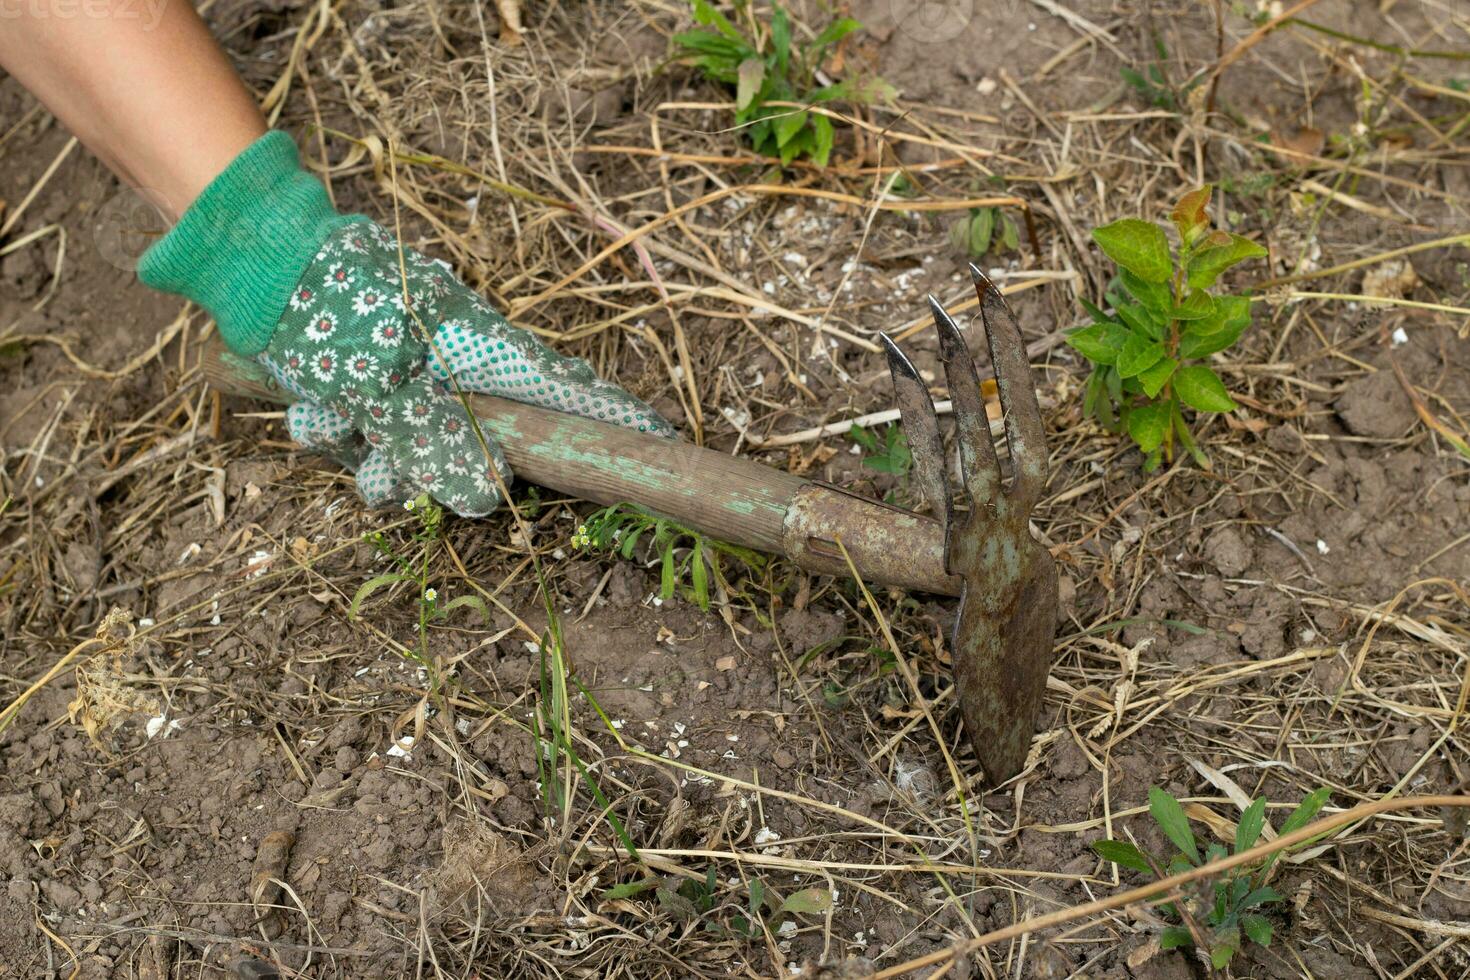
x: 730, y: 498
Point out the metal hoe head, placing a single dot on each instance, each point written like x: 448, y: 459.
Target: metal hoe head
x: 1002, y: 641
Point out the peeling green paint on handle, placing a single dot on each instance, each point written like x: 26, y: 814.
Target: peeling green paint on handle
x: 734, y: 499
x: 731, y: 498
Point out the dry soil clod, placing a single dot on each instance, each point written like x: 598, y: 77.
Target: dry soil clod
x: 265, y: 881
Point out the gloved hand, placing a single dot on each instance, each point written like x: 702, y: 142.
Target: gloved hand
x: 322, y: 301
x: 349, y: 348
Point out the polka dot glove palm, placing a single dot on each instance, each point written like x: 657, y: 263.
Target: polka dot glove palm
x: 375, y: 395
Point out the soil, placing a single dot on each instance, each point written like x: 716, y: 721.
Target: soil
x: 1217, y: 631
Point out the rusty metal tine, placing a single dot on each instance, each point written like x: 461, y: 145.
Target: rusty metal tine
x: 1025, y: 433
x: 979, y: 471
x: 921, y: 426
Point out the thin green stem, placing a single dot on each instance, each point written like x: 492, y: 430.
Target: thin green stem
x: 1377, y: 45
x: 424, y: 605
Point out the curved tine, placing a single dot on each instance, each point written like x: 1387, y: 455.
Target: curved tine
x: 979, y: 471
x: 921, y: 426
x: 1025, y: 433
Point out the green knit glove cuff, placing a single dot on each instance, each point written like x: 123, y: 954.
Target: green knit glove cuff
x: 243, y: 244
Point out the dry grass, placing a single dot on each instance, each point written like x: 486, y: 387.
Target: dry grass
x: 656, y: 247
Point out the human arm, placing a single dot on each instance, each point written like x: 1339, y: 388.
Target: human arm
x: 364, y: 332
x: 141, y: 84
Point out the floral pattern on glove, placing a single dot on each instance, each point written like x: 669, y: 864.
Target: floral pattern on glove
x: 373, y: 390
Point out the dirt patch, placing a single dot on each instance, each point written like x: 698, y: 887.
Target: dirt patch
x: 1238, y: 619
x: 1376, y: 406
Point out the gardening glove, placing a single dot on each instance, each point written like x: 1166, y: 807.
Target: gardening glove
x: 337, y: 313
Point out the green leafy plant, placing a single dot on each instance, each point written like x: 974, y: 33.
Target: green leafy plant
x: 1153, y: 85
x: 890, y: 454
x: 985, y: 230
x: 1249, y: 184
x: 765, y: 65
x: 530, y: 503
x: 902, y: 186
x: 1220, y: 914
x: 700, y: 898
x: 1149, y: 353
x: 414, y: 568
x: 619, y: 528
x: 558, y: 764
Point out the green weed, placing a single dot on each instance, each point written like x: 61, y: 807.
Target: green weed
x: 557, y: 760
x: 618, y: 529
x: 985, y: 230
x: 530, y: 503
x: 414, y: 569
x: 1149, y: 355
x: 1221, y: 914
x: 1250, y: 185
x: 765, y: 65
x: 695, y: 899
x: 890, y: 455
x: 903, y: 186
x: 1153, y: 85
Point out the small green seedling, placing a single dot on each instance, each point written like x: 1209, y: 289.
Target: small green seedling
x: 620, y: 527
x: 1149, y: 353
x: 1250, y: 184
x: 690, y: 899
x: 987, y: 229
x: 414, y: 569
x: 902, y: 185
x: 1153, y: 85
x: 891, y: 455
x: 764, y: 65
x: 1222, y: 913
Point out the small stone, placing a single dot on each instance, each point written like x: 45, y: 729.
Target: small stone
x: 1375, y: 406
x: 1229, y: 552
x: 62, y: 895
x: 327, y: 779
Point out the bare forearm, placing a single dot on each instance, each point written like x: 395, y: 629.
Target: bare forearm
x: 141, y: 84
